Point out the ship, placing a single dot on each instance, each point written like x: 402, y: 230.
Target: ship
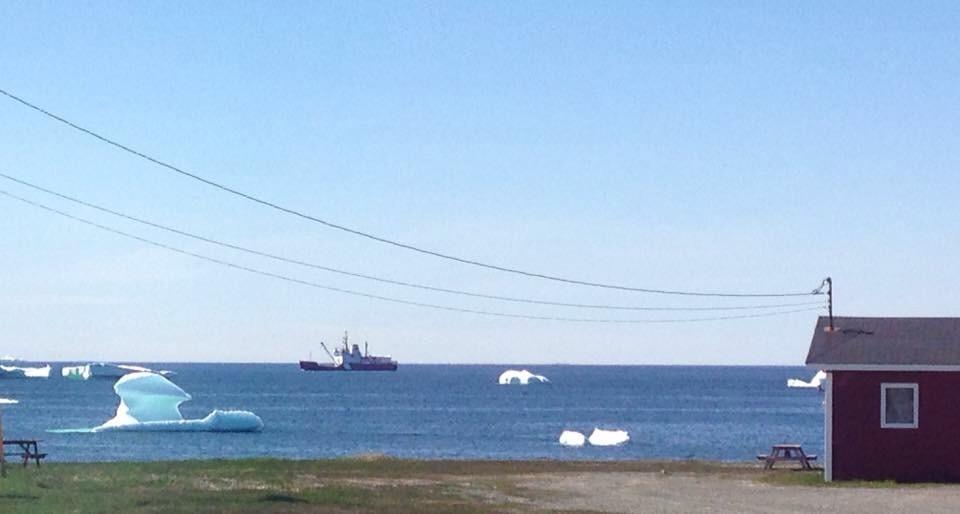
x: 350, y: 359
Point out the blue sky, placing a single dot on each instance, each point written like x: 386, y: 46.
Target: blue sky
x: 748, y: 146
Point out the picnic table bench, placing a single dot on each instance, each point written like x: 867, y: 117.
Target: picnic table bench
x: 789, y: 453
x: 28, y: 450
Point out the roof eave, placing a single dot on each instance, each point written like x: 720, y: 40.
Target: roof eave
x: 885, y: 367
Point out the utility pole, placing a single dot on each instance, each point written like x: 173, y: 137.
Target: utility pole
x: 829, y: 282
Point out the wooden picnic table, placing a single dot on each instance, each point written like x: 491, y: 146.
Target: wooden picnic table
x: 789, y: 453
x: 28, y: 450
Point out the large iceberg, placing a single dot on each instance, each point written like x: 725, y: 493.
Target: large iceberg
x: 523, y: 377
x: 104, y: 370
x: 814, y: 383
x: 150, y: 402
x: 601, y: 437
x: 24, y: 372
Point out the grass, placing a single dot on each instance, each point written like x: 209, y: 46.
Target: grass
x: 266, y: 485
x: 815, y: 479
x: 369, y: 484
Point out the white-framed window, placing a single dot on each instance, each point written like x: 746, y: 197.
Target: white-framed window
x: 899, y: 405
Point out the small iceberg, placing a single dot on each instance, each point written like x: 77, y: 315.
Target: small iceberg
x: 572, y: 438
x: 150, y: 402
x: 601, y: 437
x: 8, y: 401
x: 104, y: 370
x: 24, y: 372
x: 815, y: 383
x: 522, y: 377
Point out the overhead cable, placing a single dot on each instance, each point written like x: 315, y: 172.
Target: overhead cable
x: 386, y: 298
x: 367, y: 235
x: 387, y: 280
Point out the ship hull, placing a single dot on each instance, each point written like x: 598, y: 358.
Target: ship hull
x: 372, y: 367
x: 315, y: 366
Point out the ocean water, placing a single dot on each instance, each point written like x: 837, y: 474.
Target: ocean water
x: 438, y: 411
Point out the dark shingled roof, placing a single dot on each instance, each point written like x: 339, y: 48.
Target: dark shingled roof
x: 886, y: 342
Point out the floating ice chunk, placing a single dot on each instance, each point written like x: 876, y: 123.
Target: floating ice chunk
x: 150, y: 402
x: 522, y: 377
x: 572, y: 438
x: 216, y: 421
x: 104, y: 370
x: 7, y: 401
x: 601, y: 437
x: 147, y: 397
x: 814, y: 382
x: 76, y: 372
x: 23, y: 372
x: 127, y: 368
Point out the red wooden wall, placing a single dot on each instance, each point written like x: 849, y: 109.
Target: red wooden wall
x: 863, y: 450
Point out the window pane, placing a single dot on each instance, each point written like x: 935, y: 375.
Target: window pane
x: 900, y: 405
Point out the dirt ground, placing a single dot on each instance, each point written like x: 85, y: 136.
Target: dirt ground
x: 638, y: 492
x: 397, y: 486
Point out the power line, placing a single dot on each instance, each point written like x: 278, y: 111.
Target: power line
x: 380, y: 239
x: 386, y: 298
x: 387, y: 280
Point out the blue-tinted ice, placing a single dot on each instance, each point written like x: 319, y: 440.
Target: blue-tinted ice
x: 150, y: 402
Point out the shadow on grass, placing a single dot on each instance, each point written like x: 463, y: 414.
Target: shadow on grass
x: 281, y: 498
x: 815, y: 479
x: 18, y: 496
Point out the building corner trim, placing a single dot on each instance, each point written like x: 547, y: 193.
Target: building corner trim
x: 828, y: 430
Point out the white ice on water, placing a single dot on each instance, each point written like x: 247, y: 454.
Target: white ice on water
x: 24, y: 372
x: 601, y: 437
x: 104, y: 370
x: 572, y: 438
x: 522, y: 377
x: 8, y: 401
x: 150, y: 402
x: 814, y: 382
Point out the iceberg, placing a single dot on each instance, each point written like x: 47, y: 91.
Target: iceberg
x: 104, y: 370
x: 150, y: 402
x: 522, y: 377
x: 572, y: 438
x: 815, y: 382
x: 8, y: 401
x: 601, y: 437
x: 23, y: 372
x: 75, y: 372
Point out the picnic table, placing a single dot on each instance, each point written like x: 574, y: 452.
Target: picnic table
x: 28, y: 450
x: 789, y: 453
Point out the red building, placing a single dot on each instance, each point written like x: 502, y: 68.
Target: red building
x: 892, y: 402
